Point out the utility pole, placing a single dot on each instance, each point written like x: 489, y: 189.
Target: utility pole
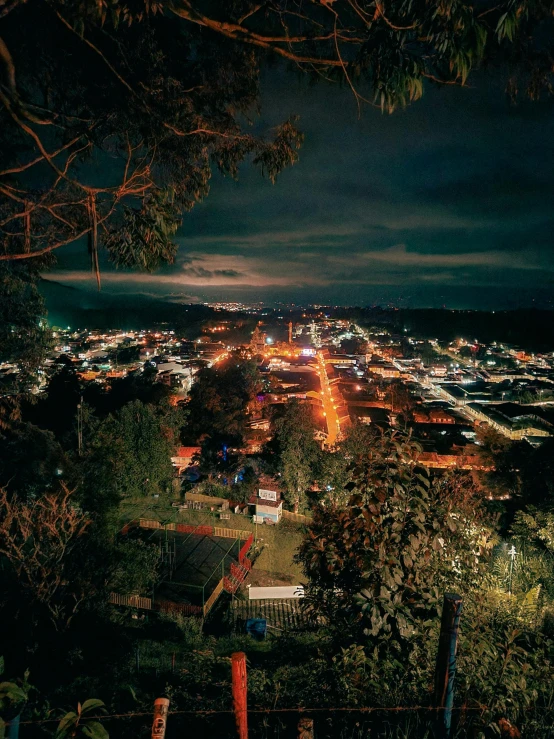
x: 512, y: 552
x: 446, y: 662
x: 80, y: 427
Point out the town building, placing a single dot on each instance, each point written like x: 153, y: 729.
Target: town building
x: 512, y: 420
x: 267, y: 503
x: 257, y: 343
x: 436, y: 415
x: 184, y: 457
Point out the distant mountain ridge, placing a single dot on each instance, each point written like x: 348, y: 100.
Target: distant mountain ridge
x: 69, y: 306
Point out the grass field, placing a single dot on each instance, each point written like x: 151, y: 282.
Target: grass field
x: 278, y: 543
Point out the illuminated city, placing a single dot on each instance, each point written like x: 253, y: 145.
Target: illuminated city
x: 276, y: 369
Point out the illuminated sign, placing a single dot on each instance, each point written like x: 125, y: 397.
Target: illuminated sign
x: 267, y: 494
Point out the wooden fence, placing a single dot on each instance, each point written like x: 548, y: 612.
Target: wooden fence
x: 213, y: 597
x: 231, y: 533
x: 146, y: 523
x: 134, y: 601
x: 184, y: 609
x: 298, y: 517
x: 188, y: 528
x: 146, y: 604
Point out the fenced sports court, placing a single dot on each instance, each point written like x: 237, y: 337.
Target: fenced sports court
x: 198, y: 563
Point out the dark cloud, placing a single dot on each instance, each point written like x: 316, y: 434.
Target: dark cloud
x: 447, y: 198
x: 492, y: 193
x: 209, y: 274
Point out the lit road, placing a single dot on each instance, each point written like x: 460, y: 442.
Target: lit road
x: 329, y: 403
x: 462, y: 361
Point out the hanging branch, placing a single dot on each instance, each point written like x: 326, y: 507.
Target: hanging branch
x: 27, y: 221
x: 93, y: 238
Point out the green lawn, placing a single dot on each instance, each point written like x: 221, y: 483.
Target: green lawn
x: 278, y: 543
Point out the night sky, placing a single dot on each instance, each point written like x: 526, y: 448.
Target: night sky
x: 448, y: 202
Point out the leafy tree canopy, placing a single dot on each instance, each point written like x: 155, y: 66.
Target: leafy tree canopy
x: 381, y: 563
x: 129, y: 456
x: 218, y: 401
x: 293, y: 453
x: 31, y: 460
x: 149, y: 105
x: 135, y: 567
x: 24, y: 335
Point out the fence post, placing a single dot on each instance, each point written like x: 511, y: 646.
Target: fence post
x: 137, y: 659
x: 12, y: 727
x: 161, y: 709
x: 446, y: 662
x: 238, y: 672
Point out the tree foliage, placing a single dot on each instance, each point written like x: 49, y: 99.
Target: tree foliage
x: 31, y: 460
x: 129, y: 456
x: 38, y: 539
x: 24, y: 335
x: 116, y: 145
x: 383, y: 560
x: 293, y: 453
x: 218, y: 402
x: 518, y: 470
x: 135, y: 567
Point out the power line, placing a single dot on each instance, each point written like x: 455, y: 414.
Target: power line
x: 337, y: 709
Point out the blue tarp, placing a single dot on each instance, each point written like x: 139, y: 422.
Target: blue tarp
x: 257, y: 627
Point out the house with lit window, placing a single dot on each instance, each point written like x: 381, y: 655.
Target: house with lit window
x: 266, y: 504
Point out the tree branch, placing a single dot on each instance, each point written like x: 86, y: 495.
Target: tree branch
x: 52, y: 155
x: 183, y: 9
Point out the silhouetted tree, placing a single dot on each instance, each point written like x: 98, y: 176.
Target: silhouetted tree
x: 38, y: 540
x: 377, y: 563
x: 293, y: 452
x: 219, y: 400
x: 31, y: 461
x: 129, y: 456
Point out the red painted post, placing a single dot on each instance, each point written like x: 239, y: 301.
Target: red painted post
x: 161, y: 709
x: 238, y: 672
